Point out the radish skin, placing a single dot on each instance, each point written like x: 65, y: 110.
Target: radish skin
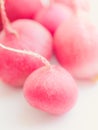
x: 76, y: 46
x: 22, y: 8
x: 16, y: 65
x: 55, y: 91
x: 28, y: 35
x: 51, y: 17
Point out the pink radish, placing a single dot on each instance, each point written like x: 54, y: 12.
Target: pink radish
x: 16, y: 65
x: 51, y: 89
x: 76, y: 46
x: 22, y: 35
x: 22, y: 8
x: 53, y: 15
x: 73, y: 4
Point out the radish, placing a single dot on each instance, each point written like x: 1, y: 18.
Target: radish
x: 22, y: 35
x: 16, y: 65
x: 51, y: 89
x: 76, y: 46
x: 73, y: 4
x: 53, y: 15
x: 22, y: 8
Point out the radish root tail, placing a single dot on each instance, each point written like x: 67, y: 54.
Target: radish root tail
x: 5, y: 21
x: 44, y: 60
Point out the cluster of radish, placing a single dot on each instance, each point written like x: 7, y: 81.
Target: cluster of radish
x: 31, y: 30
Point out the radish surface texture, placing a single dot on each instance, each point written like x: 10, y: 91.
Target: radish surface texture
x: 51, y: 89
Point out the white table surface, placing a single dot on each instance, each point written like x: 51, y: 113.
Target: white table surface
x: 17, y: 114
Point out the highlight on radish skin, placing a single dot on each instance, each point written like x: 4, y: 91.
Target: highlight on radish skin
x: 22, y: 35
x: 55, y: 91
x: 28, y: 35
x: 22, y: 8
x: 76, y: 46
x: 53, y: 15
x: 74, y: 4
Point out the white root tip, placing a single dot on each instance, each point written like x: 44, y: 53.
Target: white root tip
x: 45, y: 3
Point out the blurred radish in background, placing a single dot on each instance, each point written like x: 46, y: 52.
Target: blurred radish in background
x: 52, y: 14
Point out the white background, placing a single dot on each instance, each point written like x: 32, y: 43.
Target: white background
x: 17, y: 114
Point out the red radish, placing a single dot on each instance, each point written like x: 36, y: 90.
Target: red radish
x: 51, y: 89
x: 22, y: 8
x: 76, y: 46
x: 53, y: 15
x: 73, y: 4
x: 22, y: 35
